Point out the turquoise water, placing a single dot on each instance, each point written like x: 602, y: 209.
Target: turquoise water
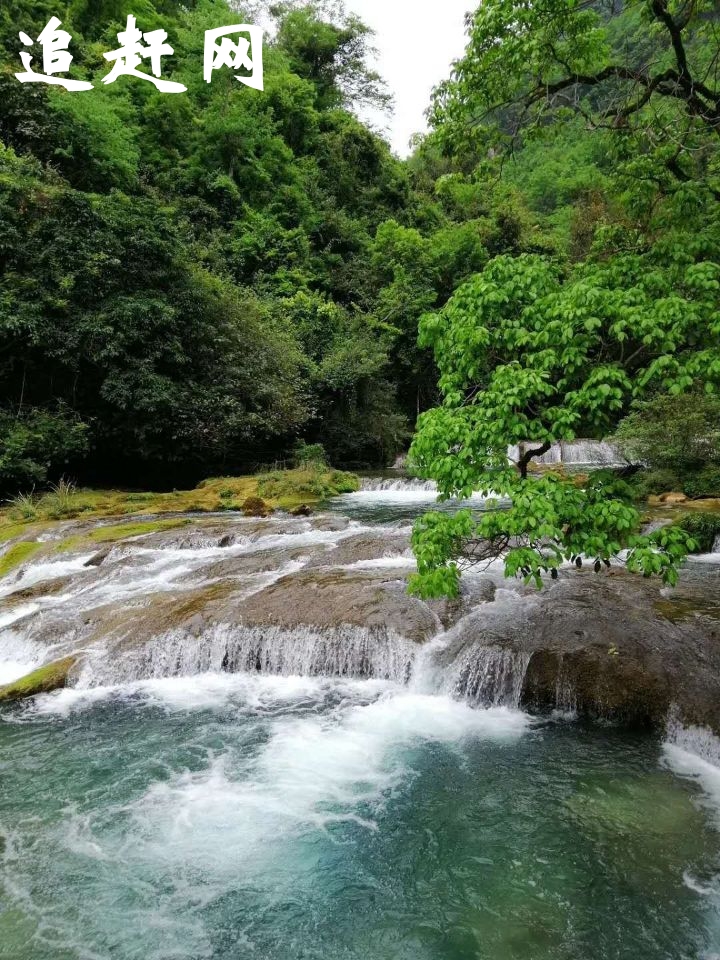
x: 296, y: 819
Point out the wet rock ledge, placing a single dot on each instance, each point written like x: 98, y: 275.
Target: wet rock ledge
x: 611, y: 645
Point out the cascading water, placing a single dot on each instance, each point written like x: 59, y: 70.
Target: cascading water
x: 575, y: 453
x: 488, y: 676
x: 353, y: 652
x: 398, y: 485
x: 215, y: 789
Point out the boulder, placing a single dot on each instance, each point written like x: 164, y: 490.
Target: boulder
x: 611, y: 646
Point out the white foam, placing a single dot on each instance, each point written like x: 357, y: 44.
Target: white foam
x: 313, y: 772
x: 205, y: 692
x: 18, y: 613
x: 18, y: 656
x: 403, y: 562
x: 406, y: 495
x: 41, y: 572
x: 694, y: 753
x: 12, y: 670
x: 705, y: 558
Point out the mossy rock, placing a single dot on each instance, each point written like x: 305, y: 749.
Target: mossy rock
x: 119, y: 532
x: 17, y: 554
x: 256, y: 507
x: 51, y: 676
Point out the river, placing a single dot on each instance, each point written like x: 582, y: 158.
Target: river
x: 176, y: 804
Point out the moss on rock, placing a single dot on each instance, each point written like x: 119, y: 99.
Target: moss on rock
x: 51, y: 676
x: 17, y: 554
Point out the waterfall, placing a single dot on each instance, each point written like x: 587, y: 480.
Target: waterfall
x: 716, y: 544
x: 483, y: 676
x: 356, y: 652
x: 395, y: 485
x: 488, y: 676
x: 565, y: 694
x: 573, y: 453
x: 698, y: 741
x: 576, y: 453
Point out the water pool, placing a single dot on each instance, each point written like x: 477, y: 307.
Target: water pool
x: 278, y: 818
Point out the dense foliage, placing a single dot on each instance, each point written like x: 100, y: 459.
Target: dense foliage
x: 677, y: 437
x: 616, y: 106
x: 205, y: 283
x: 189, y: 284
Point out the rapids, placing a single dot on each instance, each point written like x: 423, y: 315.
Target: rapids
x: 269, y: 751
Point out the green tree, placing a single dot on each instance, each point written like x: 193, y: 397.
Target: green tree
x: 678, y: 438
x: 529, y: 356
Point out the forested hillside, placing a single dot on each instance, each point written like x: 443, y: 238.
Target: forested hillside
x: 191, y: 283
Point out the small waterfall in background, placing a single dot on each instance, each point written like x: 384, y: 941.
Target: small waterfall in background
x: 575, y: 453
x: 373, y: 484
x: 716, y: 545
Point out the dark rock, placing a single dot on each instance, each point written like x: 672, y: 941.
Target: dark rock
x: 99, y: 559
x: 611, y: 646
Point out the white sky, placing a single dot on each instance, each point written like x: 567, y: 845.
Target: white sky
x: 416, y: 45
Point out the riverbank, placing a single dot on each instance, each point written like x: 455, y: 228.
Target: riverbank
x: 24, y: 519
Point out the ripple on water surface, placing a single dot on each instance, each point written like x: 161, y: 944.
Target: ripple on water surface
x: 288, y: 818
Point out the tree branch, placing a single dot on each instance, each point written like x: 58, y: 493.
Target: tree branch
x: 528, y: 455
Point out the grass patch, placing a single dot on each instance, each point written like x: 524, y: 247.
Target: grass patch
x: 53, y: 676
x: 309, y: 484
x: 9, y: 531
x: 280, y: 490
x: 17, y: 554
x: 121, y: 531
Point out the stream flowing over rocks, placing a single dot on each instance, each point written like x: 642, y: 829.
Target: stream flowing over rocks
x: 326, y: 596
x: 249, y: 741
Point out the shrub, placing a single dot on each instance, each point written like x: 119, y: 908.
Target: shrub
x: 311, y: 483
x: 61, y: 501
x: 36, y: 444
x: 677, y: 433
x: 704, y: 528
x: 650, y: 483
x: 309, y: 454
x: 704, y: 483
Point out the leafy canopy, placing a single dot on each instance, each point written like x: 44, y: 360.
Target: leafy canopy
x: 528, y: 356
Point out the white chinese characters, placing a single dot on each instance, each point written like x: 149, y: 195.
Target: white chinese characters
x: 238, y: 48
x: 132, y: 52
x: 56, y: 58
x: 221, y: 51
